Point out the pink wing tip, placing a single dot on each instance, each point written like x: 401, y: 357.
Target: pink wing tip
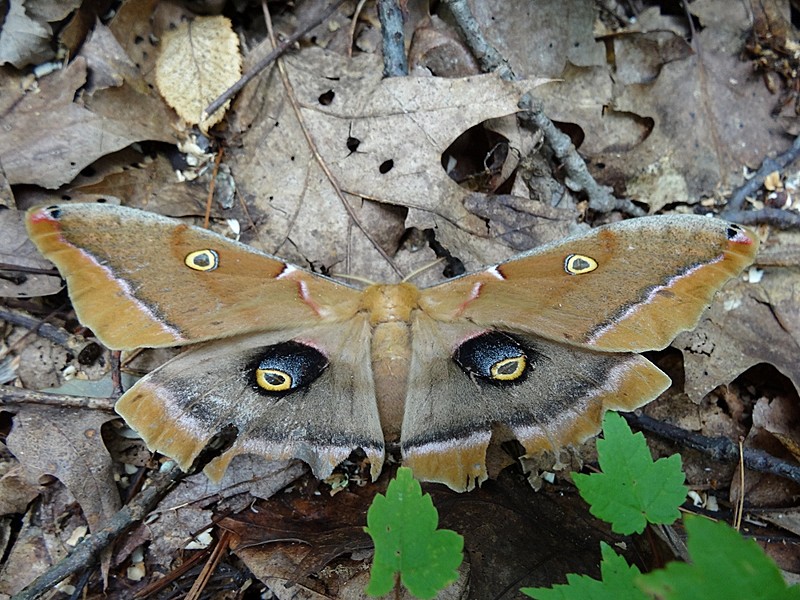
x: 740, y: 235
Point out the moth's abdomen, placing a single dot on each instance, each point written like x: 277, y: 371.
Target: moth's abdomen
x: 391, y: 357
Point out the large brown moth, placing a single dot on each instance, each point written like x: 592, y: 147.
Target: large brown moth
x: 301, y: 366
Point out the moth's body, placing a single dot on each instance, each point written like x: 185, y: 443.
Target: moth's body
x: 301, y: 366
x: 390, y: 308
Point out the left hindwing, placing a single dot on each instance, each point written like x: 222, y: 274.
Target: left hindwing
x: 214, y: 389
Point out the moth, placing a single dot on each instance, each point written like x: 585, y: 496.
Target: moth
x: 300, y: 366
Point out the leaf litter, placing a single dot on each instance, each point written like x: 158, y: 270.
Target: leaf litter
x: 662, y: 123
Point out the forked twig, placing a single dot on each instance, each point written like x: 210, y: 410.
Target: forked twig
x: 490, y: 59
x: 600, y: 197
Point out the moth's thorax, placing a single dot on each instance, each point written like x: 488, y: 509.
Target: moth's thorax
x: 387, y: 303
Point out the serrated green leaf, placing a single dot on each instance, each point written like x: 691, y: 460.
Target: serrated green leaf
x: 617, y: 582
x: 632, y: 489
x: 403, y: 525
x: 724, y: 565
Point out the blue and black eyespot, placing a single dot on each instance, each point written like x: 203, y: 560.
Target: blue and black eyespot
x: 53, y: 210
x: 283, y: 368
x: 494, y: 357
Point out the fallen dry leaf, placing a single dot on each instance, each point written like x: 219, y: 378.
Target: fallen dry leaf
x: 311, y: 547
x: 740, y: 330
x: 17, y: 488
x: 106, y: 61
x: 511, y: 535
x: 398, y: 127
x: 389, y: 144
x: 780, y: 417
x: 542, y: 39
x: 190, y: 507
x: 66, y: 443
x: 24, y: 39
x: 669, y: 124
x: 148, y: 183
x: 436, y: 49
x: 51, y: 123
x: 42, y: 539
x: 198, y: 61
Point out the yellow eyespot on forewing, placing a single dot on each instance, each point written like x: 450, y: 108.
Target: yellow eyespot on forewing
x: 273, y: 380
x: 579, y: 264
x: 202, y: 260
x: 509, y: 369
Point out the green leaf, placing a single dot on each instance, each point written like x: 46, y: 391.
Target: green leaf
x: 632, y: 489
x: 403, y: 527
x: 617, y: 582
x: 724, y: 565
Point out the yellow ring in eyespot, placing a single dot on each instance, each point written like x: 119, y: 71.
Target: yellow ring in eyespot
x: 501, y: 371
x: 202, y: 260
x: 579, y: 264
x: 273, y: 380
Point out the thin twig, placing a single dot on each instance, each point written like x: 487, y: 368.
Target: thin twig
x: 52, y: 271
x: 75, y: 344
x: 10, y: 396
x: 202, y: 580
x: 212, y: 184
x: 390, y: 15
x: 777, y: 217
x: 156, y: 585
x: 353, y: 25
x: 489, y: 59
x: 265, y: 62
x: 739, y: 511
x: 752, y: 185
x: 719, y: 449
x: 88, y: 551
x: 116, y: 373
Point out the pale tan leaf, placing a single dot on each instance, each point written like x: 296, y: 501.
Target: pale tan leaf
x: 199, y: 60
